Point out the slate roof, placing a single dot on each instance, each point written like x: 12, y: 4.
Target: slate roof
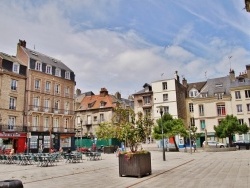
x: 217, y: 85
x: 144, y: 90
x: 46, y: 59
x: 240, y: 82
x: 196, y: 85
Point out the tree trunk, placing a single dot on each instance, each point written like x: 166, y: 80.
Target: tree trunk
x: 176, y: 147
x: 230, y: 137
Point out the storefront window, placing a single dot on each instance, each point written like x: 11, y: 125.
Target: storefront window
x: 33, y: 142
x: 65, y: 141
x: 46, y: 142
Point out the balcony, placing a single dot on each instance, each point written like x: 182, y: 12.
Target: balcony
x: 42, y: 109
x: 10, y: 128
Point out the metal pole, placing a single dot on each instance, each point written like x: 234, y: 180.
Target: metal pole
x: 190, y: 143
x: 163, y: 149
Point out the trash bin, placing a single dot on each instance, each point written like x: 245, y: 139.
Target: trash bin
x: 247, y: 147
x: 11, y: 183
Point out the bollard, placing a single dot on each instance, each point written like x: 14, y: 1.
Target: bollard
x: 11, y: 184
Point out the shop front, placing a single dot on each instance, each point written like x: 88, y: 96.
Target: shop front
x: 49, y: 141
x: 13, y: 140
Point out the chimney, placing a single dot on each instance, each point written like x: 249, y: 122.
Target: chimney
x: 118, y: 95
x: 232, y: 75
x: 184, y: 82
x: 22, y: 43
x: 103, y: 92
x: 78, y: 92
x: 176, y: 76
x: 248, y: 71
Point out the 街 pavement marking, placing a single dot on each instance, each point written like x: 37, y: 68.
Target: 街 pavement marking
x: 153, y: 176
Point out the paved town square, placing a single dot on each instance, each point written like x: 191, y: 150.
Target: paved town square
x: 181, y: 169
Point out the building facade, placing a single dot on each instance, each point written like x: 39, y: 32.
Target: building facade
x: 49, y: 100
x: 13, y: 133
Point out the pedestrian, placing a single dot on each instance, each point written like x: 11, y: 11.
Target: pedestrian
x: 69, y: 151
x: 194, y: 144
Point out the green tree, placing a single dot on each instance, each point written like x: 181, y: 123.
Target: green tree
x: 171, y: 128
x: 125, y: 128
x: 230, y: 126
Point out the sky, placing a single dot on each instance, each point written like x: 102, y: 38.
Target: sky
x: 123, y: 44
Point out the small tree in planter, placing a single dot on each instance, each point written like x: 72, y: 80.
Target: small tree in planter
x: 125, y: 127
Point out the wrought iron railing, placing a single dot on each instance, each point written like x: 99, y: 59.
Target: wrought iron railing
x: 50, y: 110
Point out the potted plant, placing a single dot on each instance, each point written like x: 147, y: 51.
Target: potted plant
x: 132, y: 129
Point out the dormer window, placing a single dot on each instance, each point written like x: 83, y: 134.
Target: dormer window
x: 49, y: 69
x: 218, y: 85
x: 38, y: 66
x: 103, y: 104
x: 193, y: 93
x: 67, y: 75
x: 58, y: 72
x: 16, y: 67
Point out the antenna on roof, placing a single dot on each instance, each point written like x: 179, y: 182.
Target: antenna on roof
x: 206, y: 74
x: 229, y: 57
x: 34, y: 46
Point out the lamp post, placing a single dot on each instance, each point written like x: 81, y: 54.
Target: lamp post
x: 81, y: 131
x: 163, y: 149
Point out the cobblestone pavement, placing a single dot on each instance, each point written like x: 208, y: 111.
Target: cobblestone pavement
x: 200, y: 169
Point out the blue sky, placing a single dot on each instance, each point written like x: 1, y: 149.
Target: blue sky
x: 122, y: 44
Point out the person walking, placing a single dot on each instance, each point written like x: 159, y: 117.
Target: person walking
x: 194, y: 144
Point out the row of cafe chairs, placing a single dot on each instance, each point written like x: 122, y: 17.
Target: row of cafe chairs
x: 39, y: 159
x: 73, y: 157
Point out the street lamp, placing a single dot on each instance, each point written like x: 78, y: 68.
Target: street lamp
x: 81, y: 131
x: 163, y: 149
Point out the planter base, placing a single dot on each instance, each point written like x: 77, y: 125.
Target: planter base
x: 137, y: 165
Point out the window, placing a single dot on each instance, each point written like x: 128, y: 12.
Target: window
x: 67, y: 75
x: 66, y: 91
x: 13, y: 85
x: 191, y: 107
x: 36, y: 102
x: 46, y: 122
x: 147, y: 100
x: 247, y: 93
x: 193, y: 93
x: 164, y: 85
x: 241, y: 121
x: 48, y: 69
x: 147, y: 111
x: 58, y: 72
x: 38, y: 66
x: 201, y: 110
x: 16, y: 67
x: 56, y: 105
x: 202, y: 124
x: 56, y: 123
x: 219, y: 95
x: 47, y: 86
x: 101, y: 117
x: 165, y: 97
x: 239, y: 108
x: 166, y: 109
x: 66, y: 123
x: 35, y: 121
x: 248, y: 107
x: 66, y: 107
x: 12, y: 104
x: 102, y: 104
x: 237, y: 95
x: 95, y: 118
x: 11, y: 122
x: 57, y: 89
x: 37, y: 84
x: 221, y: 110
x: 46, y: 104
x: 192, y: 121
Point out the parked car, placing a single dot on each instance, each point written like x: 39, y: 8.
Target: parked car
x: 244, y: 143
x: 215, y: 144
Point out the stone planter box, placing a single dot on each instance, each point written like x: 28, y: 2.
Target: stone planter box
x: 137, y: 165
x: 109, y: 149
